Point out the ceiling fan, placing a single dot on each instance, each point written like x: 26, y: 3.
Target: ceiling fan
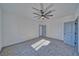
x: 43, y: 13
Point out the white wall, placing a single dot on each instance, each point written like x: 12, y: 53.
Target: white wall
x: 17, y: 29
x: 0, y: 29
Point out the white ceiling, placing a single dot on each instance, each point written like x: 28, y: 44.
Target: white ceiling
x: 25, y: 10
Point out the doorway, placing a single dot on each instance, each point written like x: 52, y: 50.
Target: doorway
x: 42, y: 30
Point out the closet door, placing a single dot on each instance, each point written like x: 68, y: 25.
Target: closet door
x: 69, y: 33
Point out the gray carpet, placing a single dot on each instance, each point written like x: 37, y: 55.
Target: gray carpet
x: 55, y: 48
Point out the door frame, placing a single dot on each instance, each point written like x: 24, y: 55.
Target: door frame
x: 0, y: 34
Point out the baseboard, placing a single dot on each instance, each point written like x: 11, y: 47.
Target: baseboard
x: 54, y: 38
x: 16, y: 43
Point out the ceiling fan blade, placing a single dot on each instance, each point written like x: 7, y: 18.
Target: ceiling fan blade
x: 36, y: 9
x: 42, y: 6
x: 38, y: 17
x: 48, y: 7
x: 46, y: 17
x: 49, y: 15
x: 49, y: 12
x: 37, y: 14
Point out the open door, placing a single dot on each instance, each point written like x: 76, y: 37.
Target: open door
x: 42, y: 30
x: 69, y: 33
